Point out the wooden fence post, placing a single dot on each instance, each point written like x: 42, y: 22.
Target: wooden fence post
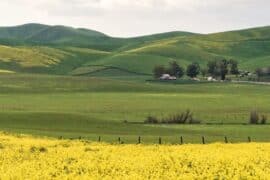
x: 139, y: 140
x: 119, y: 140
x: 203, y: 140
x: 249, y: 139
x: 99, y: 138
x: 226, y: 140
x: 181, y: 140
x: 159, y: 140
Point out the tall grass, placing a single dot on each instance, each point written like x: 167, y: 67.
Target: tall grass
x: 255, y: 118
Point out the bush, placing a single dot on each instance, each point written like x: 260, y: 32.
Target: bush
x: 193, y: 70
x: 180, y: 118
x: 264, y: 119
x: 254, y: 117
x: 151, y: 119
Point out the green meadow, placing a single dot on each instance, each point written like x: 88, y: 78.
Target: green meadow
x: 91, y: 107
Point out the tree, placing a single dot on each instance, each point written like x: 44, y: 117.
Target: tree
x: 175, y: 69
x: 218, y: 68
x: 223, y: 69
x: 159, y: 70
x: 262, y: 72
x: 212, y: 67
x: 204, y: 71
x: 233, y: 67
x: 193, y: 70
x: 259, y: 72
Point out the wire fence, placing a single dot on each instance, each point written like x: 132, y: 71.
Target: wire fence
x: 159, y: 140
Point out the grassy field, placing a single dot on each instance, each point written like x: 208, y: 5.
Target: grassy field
x: 91, y: 107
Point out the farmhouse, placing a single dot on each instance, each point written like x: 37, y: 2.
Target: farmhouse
x: 167, y: 77
x: 210, y: 78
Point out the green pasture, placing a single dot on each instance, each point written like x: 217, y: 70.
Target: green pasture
x: 90, y: 107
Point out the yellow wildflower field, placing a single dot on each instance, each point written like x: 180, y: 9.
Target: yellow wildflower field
x: 26, y: 157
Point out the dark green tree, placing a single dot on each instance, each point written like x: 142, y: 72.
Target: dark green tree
x: 193, y: 70
x: 223, y: 69
x: 233, y: 67
x: 175, y: 69
x: 262, y: 72
x: 259, y: 72
x: 218, y: 68
x: 204, y: 71
x: 212, y: 68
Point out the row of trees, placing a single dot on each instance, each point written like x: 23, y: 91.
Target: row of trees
x: 220, y: 68
x: 215, y: 68
x: 176, y: 70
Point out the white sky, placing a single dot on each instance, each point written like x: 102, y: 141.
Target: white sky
x: 138, y: 17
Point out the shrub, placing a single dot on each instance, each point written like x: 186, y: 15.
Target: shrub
x: 187, y: 116
x: 254, y: 117
x: 151, y: 119
x: 264, y: 119
x: 193, y: 70
x: 179, y: 118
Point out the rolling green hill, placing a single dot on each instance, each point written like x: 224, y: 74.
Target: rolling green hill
x: 65, y: 50
x: 38, y: 32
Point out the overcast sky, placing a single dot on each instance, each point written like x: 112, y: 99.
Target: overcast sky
x: 138, y: 17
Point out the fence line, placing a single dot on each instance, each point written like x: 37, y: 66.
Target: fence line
x: 159, y: 140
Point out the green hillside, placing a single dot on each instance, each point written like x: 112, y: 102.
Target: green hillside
x: 21, y: 32
x: 76, y: 51
x: 260, y: 33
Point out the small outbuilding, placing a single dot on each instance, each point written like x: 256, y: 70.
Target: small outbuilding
x: 167, y: 77
x: 210, y: 78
